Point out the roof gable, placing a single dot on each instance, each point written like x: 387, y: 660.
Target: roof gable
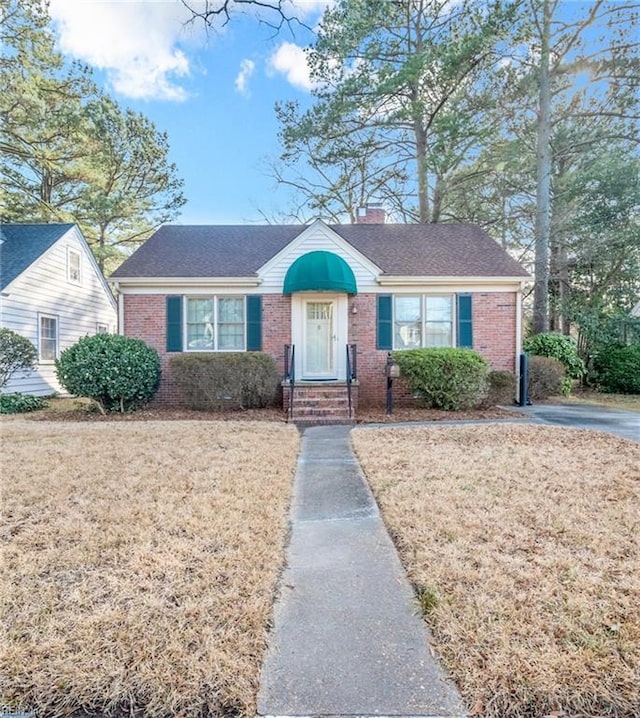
x: 23, y: 244
x: 316, y: 236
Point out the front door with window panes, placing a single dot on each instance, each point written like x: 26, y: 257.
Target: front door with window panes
x: 319, y: 360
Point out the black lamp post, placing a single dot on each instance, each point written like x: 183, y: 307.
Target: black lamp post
x: 392, y: 371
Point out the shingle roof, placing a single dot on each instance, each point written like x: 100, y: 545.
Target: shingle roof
x: 22, y: 244
x: 446, y: 250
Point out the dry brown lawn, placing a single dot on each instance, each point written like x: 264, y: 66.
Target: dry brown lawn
x: 523, y: 543
x: 139, y: 563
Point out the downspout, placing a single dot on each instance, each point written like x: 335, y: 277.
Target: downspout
x: 518, y: 339
x: 120, y: 298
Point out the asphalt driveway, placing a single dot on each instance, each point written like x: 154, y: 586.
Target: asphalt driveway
x: 585, y: 416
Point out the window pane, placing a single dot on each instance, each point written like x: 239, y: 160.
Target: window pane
x: 230, y: 337
x: 439, y: 309
x: 48, y: 338
x: 231, y: 310
x: 231, y: 324
x: 438, y: 334
x: 407, y: 324
x: 407, y: 309
x: 200, y: 323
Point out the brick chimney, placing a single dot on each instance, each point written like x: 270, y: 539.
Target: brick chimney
x: 373, y: 213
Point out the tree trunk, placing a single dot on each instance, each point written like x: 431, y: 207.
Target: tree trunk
x: 543, y: 190
x: 423, y: 184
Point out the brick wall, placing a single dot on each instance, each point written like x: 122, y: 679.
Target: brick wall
x: 494, y: 322
x: 494, y: 328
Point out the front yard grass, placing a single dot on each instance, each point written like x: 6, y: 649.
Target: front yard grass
x: 139, y: 565
x: 523, y: 544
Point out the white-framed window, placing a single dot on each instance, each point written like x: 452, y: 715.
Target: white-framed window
x: 47, y: 338
x: 215, y: 324
x: 422, y: 320
x: 74, y: 266
x: 102, y: 328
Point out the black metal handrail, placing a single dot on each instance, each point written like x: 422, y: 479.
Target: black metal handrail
x: 290, y: 372
x: 351, y: 374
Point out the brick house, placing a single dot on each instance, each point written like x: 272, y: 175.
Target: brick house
x: 322, y: 298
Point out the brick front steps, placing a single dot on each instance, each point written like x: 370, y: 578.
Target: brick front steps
x: 321, y: 402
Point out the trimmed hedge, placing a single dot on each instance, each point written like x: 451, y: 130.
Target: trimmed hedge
x: 617, y: 368
x: 502, y: 388
x: 118, y: 373
x: 214, y: 382
x: 444, y: 378
x: 545, y: 378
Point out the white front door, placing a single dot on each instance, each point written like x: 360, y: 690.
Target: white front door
x: 319, y: 332
x: 319, y: 355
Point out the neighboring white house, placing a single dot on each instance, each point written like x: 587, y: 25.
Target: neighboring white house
x: 53, y: 293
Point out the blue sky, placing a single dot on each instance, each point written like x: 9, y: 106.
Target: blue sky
x: 212, y: 92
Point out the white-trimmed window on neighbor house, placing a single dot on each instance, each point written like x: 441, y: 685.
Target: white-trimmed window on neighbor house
x: 74, y: 266
x: 47, y: 338
x: 102, y: 328
x: 422, y: 320
x: 215, y: 324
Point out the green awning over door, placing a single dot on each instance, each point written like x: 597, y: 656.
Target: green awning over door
x: 320, y: 272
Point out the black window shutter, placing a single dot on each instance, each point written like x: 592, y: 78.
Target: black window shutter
x: 174, y: 324
x: 254, y: 323
x: 384, y: 325
x: 465, y: 321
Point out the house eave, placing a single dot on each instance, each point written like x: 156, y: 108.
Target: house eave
x: 169, y: 282
x: 414, y: 281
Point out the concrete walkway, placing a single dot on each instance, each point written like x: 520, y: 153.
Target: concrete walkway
x: 348, y: 638
x: 585, y: 416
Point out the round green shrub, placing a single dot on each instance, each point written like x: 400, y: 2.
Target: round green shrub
x: 118, y: 373
x: 557, y: 346
x: 617, y: 368
x: 16, y: 354
x: 450, y: 379
x: 545, y: 377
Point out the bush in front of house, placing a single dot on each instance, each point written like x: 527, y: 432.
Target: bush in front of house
x: 617, y: 368
x: 560, y: 347
x: 545, y: 377
x: 234, y: 380
x: 118, y: 373
x: 17, y: 403
x: 444, y: 378
x: 16, y: 354
x: 502, y: 388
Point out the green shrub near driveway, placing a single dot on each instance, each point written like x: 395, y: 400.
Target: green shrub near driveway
x: 234, y: 380
x: 617, y: 368
x: 560, y: 347
x: 545, y: 377
x: 444, y: 378
x: 118, y: 373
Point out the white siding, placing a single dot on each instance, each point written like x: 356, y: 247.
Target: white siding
x: 318, y: 237
x: 43, y: 289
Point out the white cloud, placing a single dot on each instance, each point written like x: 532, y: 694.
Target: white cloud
x: 136, y: 43
x: 290, y: 60
x: 246, y: 70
